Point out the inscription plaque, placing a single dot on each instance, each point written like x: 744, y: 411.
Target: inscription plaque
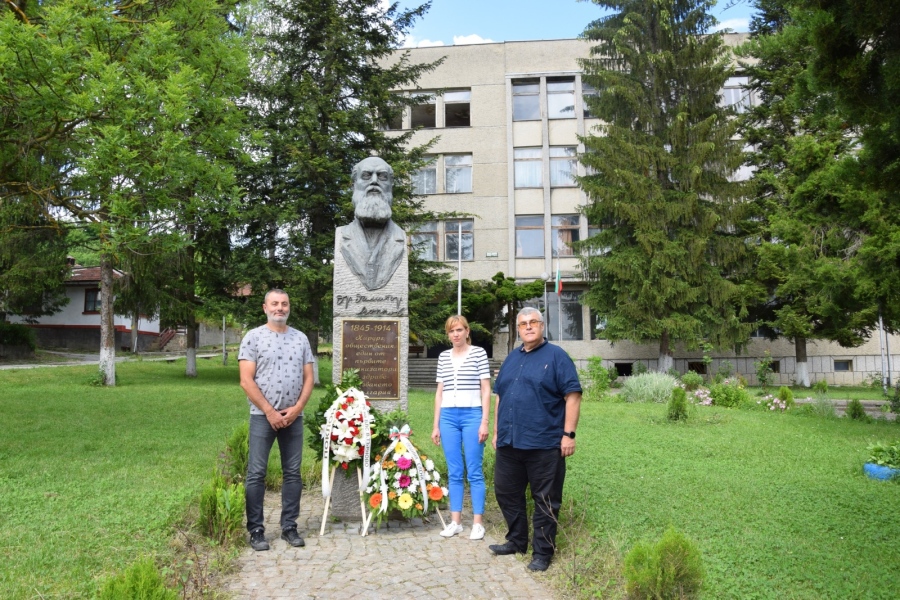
x: 373, y: 347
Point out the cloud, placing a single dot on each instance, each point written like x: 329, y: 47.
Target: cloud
x: 734, y: 25
x: 460, y: 40
x: 411, y: 42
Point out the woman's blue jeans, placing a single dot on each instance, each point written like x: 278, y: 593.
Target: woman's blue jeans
x: 459, y: 438
x: 290, y: 443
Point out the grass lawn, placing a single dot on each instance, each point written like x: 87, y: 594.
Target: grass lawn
x: 91, y: 478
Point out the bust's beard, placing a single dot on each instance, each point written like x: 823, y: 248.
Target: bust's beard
x: 372, y: 208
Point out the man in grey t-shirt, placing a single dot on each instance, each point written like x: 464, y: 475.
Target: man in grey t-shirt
x: 276, y: 366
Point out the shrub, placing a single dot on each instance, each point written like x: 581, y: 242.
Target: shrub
x: 820, y: 387
x: 691, y: 381
x: 729, y: 394
x: 672, y: 568
x: 678, y: 405
x: 764, y: 371
x: 613, y: 376
x: 237, y: 452
x: 139, y: 581
x: 639, y: 368
x: 885, y: 455
x: 725, y: 370
x: 649, y: 387
x: 786, y: 396
x: 856, y: 411
x: 221, y: 508
x: 14, y: 334
x: 595, y: 380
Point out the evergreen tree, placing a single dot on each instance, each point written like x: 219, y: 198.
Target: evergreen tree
x: 805, y: 184
x: 668, y: 264
x: 320, y: 99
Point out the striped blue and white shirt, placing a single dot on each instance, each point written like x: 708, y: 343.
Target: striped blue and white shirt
x: 462, y: 380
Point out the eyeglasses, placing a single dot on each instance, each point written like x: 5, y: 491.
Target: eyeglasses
x: 531, y: 323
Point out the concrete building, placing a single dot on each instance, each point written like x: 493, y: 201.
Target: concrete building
x: 506, y: 118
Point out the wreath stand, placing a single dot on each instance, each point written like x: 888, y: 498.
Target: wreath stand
x: 362, y: 505
x: 367, y: 520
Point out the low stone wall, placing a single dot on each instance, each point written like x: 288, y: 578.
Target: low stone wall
x: 15, y: 352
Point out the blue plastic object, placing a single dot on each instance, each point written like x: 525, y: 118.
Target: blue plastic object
x: 878, y: 472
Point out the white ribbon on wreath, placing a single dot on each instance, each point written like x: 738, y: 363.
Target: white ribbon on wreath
x: 359, y: 403
x: 396, y: 436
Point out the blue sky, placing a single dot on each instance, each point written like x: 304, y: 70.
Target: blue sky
x: 475, y: 21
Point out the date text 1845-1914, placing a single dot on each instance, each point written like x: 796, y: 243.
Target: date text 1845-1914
x: 373, y: 347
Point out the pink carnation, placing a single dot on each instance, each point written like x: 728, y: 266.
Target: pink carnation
x: 404, y: 479
x: 404, y: 463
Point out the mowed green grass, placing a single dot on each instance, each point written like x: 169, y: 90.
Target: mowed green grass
x: 92, y: 478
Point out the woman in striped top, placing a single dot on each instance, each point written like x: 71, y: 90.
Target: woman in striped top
x: 461, y: 410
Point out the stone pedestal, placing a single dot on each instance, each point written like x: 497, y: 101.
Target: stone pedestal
x: 370, y: 333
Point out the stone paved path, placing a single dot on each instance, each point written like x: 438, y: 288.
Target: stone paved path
x: 407, y: 560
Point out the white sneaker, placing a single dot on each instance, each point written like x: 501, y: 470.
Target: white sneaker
x: 477, y: 532
x: 451, y: 530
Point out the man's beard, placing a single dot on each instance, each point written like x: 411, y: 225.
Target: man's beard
x: 277, y: 319
x: 372, y: 208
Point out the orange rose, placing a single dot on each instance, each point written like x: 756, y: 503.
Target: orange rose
x: 418, y: 506
x: 435, y: 493
x: 375, y: 500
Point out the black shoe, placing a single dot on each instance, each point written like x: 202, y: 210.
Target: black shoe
x: 258, y: 540
x: 539, y: 564
x: 293, y: 538
x: 504, y: 549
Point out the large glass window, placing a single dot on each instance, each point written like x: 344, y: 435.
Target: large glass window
x: 528, y: 167
x: 456, y: 109
x: 423, y: 114
x: 561, y: 98
x: 594, y: 230
x: 736, y: 94
x: 425, y: 179
x: 565, y: 231
x: 529, y: 236
x: 458, y: 173
x: 92, y: 300
x: 589, y: 95
x: 598, y: 327
x: 451, y: 232
x: 526, y: 100
x: 425, y: 241
x: 565, y: 310
x: 563, y: 163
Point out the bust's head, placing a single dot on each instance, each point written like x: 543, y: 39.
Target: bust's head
x: 373, y: 191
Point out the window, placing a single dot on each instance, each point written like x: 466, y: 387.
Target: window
x: 425, y: 241
x: 451, y: 231
x: 528, y: 167
x: 456, y: 109
x: 594, y: 230
x: 458, y: 173
x: 588, y: 94
x: 736, y: 94
x: 764, y: 331
x: 561, y: 98
x: 92, y: 300
x: 425, y: 179
x: 843, y: 365
x: 776, y: 366
x: 394, y: 120
x: 564, y: 309
x: 565, y: 231
x: 423, y: 115
x: 526, y: 100
x: 624, y: 369
x: 562, y: 166
x: 598, y: 327
x: 697, y: 367
x: 529, y: 236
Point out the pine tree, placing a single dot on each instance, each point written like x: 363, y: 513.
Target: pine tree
x: 669, y: 260
x: 807, y: 192
x: 320, y: 98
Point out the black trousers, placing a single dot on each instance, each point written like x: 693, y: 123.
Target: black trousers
x: 545, y: 471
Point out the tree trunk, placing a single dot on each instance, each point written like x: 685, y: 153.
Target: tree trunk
x: 135, y: 323
x: 190, y: 369
x: 802, y: 368
x: 665, y: 354
x: 315, y: 310
x: 107, y: 322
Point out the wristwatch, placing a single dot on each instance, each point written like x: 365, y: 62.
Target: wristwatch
x: 570, y: 434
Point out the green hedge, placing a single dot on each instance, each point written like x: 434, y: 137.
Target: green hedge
x: 12, y: 334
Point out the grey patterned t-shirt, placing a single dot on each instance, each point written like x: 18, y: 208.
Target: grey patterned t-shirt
x: 279, y: 359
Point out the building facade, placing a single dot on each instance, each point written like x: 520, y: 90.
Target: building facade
x: 507, y: 118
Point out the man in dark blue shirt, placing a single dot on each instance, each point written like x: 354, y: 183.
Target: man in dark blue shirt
x: 536, y: 413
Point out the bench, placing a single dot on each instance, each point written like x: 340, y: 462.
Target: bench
x: 417, y: 350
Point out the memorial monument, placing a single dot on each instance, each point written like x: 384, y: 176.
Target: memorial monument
x: 371, y: 300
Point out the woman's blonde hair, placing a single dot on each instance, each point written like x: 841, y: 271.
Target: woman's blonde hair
x: 461, y: 320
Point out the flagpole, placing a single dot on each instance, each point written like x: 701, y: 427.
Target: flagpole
x: 558, y: 299
x: 459, y: 271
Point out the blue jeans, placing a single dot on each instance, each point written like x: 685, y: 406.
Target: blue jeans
x: 290, y: 443
x: 459, y: 437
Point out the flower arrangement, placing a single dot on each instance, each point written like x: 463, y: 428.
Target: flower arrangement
x: 401, y: 479
x: 346, y: 433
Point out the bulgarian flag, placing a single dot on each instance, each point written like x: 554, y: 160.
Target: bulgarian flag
x: 558, y: 280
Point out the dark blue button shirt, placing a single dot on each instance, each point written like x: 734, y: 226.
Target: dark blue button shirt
x: 532, y: 387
